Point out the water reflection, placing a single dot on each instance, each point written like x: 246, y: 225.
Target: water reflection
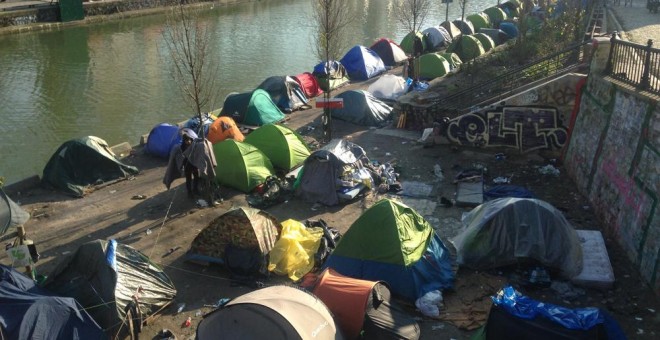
x: 111, y: 80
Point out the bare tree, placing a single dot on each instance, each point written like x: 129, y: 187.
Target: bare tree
x: 188, y: 44
x: 331, y: 18
x: 463, y: 4
x: 412, y: 13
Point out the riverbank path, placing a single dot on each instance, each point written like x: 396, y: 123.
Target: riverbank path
x: 635, y: 21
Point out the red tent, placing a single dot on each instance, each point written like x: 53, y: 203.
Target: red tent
x: 363, y: 309
x: 308, y: 84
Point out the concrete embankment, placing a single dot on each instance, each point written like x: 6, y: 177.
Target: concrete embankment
x: 34, y: 15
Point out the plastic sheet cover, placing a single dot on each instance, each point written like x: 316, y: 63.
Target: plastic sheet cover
x: 579, y: 318
x: 503, y: 231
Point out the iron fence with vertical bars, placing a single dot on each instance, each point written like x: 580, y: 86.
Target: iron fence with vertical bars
x: 634, y: 64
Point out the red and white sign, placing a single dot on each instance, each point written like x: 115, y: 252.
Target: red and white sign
x: 332, y: 103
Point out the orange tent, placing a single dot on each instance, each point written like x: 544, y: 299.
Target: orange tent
x: 363, y: 309
x: 224, y: 128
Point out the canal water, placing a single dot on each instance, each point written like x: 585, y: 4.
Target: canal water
x: 112, y: 79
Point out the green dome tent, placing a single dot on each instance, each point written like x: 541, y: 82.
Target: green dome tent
x: 241, y: 165
x: 408, y: 42
x: 496, y: 15
x: 393, y: 243
x: 432, y: 65
x: 467, y: 47
x: 83, y: 162
x: 479, y: 20
x: 252, y: 108
x: 453, y: 59
x: 511, y: 8
x: 284, y: 147
x: 486, y: 41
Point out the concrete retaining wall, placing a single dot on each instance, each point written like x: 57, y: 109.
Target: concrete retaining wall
x: 47, y: 16
x: 614, y: 158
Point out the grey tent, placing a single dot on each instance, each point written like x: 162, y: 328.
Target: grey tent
x: 276, y: 312
x: 11, y: 214
x: 82, y: 162
x: 498, y: 36
x: 437, y: 37
x: 504, y: 231
x: 285, y: 92
x: 105, y: 276
x: 466, y: 27
x: 452, y: 29
x: 30, y: 312
x: 362, y: 108
x: 319, y: 180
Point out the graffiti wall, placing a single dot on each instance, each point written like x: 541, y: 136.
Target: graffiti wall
x: 614, y: 158
x: 559, y: 94
x: 523, y: 128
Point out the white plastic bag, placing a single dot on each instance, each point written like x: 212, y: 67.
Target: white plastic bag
x: 430, y: 303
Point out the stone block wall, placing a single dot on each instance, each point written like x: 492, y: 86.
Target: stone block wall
x: 614, y: 158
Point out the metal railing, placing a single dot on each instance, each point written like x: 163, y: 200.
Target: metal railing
x: 634, y: 64
x: 505, y: 85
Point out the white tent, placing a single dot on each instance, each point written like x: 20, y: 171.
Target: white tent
x: 388, y: 87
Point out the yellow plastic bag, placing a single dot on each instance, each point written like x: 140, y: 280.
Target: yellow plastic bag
x: 293, y: 253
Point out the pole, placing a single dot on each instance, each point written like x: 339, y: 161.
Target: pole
x: 447, y: 11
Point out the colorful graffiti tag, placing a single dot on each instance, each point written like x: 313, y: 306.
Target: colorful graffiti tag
x: 523, y: 128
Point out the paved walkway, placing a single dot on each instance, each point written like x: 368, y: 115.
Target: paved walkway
x: 15, y: 5
x: 635, y: 20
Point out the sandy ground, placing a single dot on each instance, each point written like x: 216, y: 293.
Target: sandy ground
x: 637, y: 22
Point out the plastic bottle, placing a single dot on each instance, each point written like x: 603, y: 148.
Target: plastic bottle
x: 180, y: 308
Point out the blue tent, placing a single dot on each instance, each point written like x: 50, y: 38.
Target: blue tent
x: 361, y: 63
x: 391, y: 242
x: 510, y: 29
x: 362, y: 108
x: 161, y: 140
x: 29, y: 312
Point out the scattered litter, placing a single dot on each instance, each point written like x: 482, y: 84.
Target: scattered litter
x: 138, y: 197
x: 66, y: 252
x: 437, y: 171
x: 425, y: 135
x: 202, y: 203
x: 438, y: 327
x: 388, y: 154
x: 500, y: 156
x: 198, y: 313
x: 549, y: 170
x: 187, y: 323
x: 171, y: 250
x: 180, y: 307
x: 316, y: 206
x: 219, y: 304
x: 640, y: 331
x: 375, y: 148
x: 113, y: 191
x: 501, y: 180
x: 430, y: 303
x: 651, y: 310
x: 166, y: 334
x: 638, y: 318
x: 566, y: 290
x: 148, y: 231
